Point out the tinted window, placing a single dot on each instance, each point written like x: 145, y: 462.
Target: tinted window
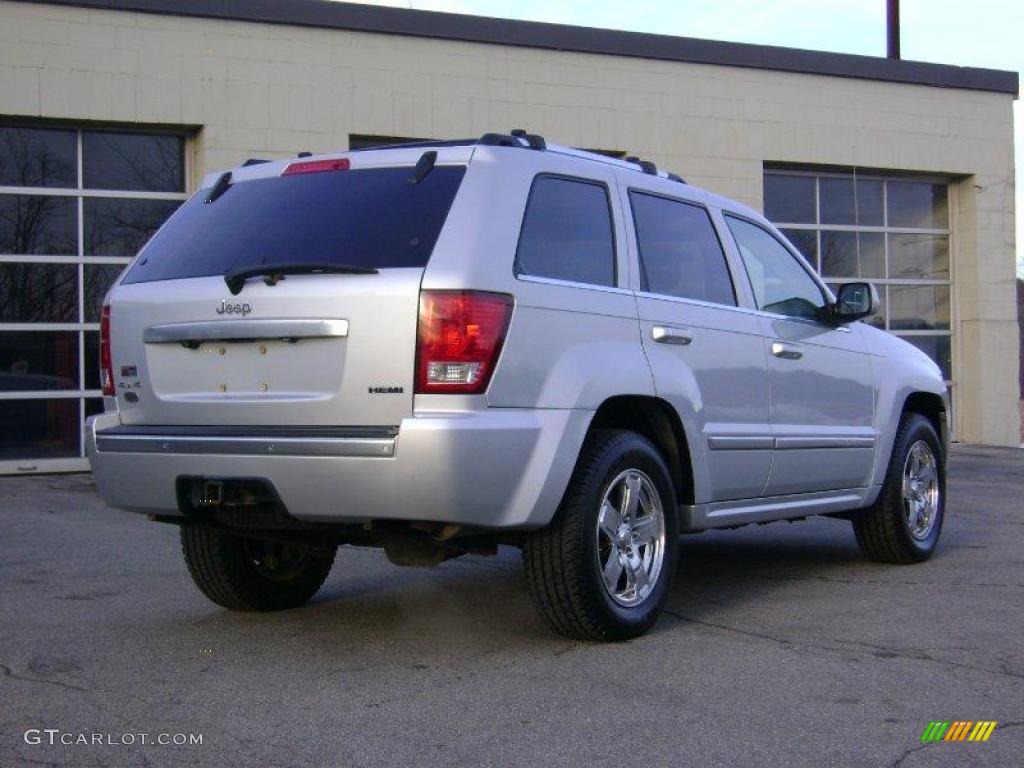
x: 789, y: 199
x: 679, y: 251
x: 38, y: 293
x: 780, y: 282
x: 567, y: 232
x: 917, y: 204
x: 371, y: 217
x: 37, y: 157
x: 35, y: 360
x: 136, y: 161
x: 39, y: 428
x: 119, y: 227
x: 38, y: 224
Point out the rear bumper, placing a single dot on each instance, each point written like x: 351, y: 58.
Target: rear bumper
x: 494, y: 468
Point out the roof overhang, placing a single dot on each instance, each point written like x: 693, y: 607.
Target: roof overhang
x: 559, y: 37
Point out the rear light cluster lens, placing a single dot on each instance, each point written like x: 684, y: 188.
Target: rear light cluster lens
x: 460, y: 338
x: 317, y: 166
x: 106, y: 365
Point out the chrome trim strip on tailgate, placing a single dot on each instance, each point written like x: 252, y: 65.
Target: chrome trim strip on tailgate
x: 112, y: 441
x: 240, y: 330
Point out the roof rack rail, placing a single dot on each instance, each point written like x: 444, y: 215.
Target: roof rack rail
x: 535, y: 141
x: 645, y: 165
x: 254, y: 161
x: 513, y: 139
x: 305, y: 154
x: 675, y: 177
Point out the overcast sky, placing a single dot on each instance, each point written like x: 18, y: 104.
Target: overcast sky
x: 983, y: 33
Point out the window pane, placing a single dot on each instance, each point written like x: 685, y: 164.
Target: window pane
x: 938, y: 349
x: 38, y: 293
x: 923, y: 256
x: 369, y: 218
x: 35, y: 360
x: 789, y: 199
x: 780, y: 283
x: 844, y: 201
x: 38, y: 225
x: 116, y: 227
x: 93, y: 405
x: 805, y: 241
x: 92, y: 360
x: 133, y: 161
x: 567, y: 233
x: 853, y: 254
x: 98, y: 278
x: 44, y: 429
x: 679, y: 251
x: 917, y: 204
x: 37, y: 157
x: 918, y: 307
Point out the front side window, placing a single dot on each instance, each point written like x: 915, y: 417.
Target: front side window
x: 679, y: 251
x: 567, y: 232
x: 781, y: 285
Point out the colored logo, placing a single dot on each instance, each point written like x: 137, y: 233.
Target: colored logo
x: 958, y: 730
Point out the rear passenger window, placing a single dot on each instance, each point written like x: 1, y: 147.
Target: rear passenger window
x: 680, y: 254
x: 567, y: 232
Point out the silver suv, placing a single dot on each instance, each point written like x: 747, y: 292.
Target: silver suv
x: 445, y: 347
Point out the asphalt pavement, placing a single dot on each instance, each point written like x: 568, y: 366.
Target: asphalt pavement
x: 781, y: 646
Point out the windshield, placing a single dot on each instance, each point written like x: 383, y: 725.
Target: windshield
x: 365, y: 218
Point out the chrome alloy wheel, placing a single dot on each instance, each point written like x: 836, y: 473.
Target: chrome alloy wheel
x: 921, y: 490
x: 630, y: 537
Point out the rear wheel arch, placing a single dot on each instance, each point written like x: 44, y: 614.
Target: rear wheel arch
x: 659, y: 422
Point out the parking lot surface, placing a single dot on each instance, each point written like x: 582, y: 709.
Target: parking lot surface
x: 781, y: 646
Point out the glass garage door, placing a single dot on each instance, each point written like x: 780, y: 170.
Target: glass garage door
x: 891, y: 231
x: 75, y: 205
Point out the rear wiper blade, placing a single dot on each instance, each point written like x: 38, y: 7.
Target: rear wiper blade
x: 236, y: 278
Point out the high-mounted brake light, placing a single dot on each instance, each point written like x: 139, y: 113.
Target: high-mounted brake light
x: 460, y: 338
x: 106, y: 364
x: 317, y: 166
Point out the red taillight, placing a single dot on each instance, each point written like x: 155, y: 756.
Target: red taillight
x: 317, y: 166
x: 106, y: 365
x: 460, y: 338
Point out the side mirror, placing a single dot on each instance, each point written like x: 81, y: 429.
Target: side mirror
x: 855, y: 301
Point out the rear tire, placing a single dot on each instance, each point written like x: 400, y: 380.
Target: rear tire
x: 246, y: 574
x: 904, y: 523
x: 602, y: 569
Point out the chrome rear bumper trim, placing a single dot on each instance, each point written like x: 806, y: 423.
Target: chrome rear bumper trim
x: 246, y: 446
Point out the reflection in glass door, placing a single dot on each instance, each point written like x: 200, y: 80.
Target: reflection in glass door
x: 75, y: 206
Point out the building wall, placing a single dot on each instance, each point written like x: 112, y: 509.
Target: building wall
x: 266, y: 90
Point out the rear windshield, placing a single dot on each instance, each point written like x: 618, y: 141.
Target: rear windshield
x: 368, y: 218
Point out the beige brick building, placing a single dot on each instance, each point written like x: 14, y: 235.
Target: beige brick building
x: 111, y: 110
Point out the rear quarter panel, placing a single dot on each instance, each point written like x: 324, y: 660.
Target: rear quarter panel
x: 568, y: 346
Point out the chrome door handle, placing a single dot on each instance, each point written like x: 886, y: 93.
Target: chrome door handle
x: 786, y: 351
x: 668, y: 335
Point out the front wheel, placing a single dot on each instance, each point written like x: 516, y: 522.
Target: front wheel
x: 247, y: 574
x: 903, y: 525
x: 602, y: 569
